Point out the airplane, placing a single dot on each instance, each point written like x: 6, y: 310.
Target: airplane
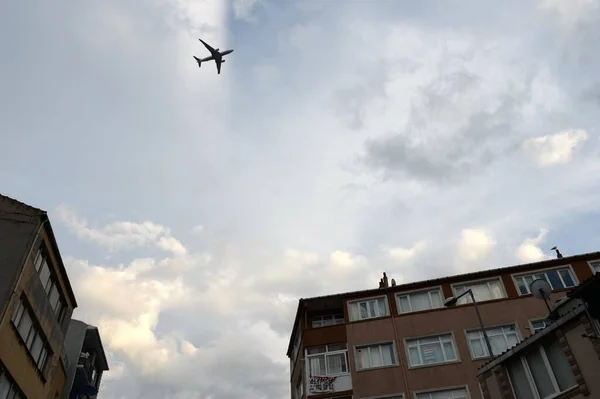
x: 215, y: 54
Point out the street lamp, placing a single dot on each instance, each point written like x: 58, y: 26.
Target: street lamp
x: 452, y: 301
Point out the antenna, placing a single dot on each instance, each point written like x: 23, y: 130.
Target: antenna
x: 540, y: 288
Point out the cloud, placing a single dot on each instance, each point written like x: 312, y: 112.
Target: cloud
x: 555, y: 149
x: 529, y: 251
x: 120, y: 235
x: 402, y: 254
x: 473, y: 247
x: 243, y: 9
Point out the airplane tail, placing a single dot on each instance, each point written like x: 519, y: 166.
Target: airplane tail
x: 198, y: 60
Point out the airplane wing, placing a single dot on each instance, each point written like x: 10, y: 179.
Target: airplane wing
x: 208, y: 47
x: 218, y: 66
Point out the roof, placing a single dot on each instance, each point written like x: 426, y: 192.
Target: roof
x: 590, y: 284
x: 530, y: 340
x: 43, y: 216
x: 454, y: 278
x: 92, y: 339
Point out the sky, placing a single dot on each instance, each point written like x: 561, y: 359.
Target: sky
x: 343, y: 138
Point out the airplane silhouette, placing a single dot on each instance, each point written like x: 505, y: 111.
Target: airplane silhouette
x: 215, y: 55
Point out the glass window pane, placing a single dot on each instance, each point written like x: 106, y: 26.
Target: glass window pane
x: 519, y: 381
x: 316, y: 323
x: 432, y: 353
x: 54, y: 297
x: 540, y: 373
x: 317, y: 365
x: 364, y: 311
x: 498, y: 344
x: 554, y: 280
x: 522, y: 286
x: 316, y: 349
x: 404, y: 305
x: 420, y: 301
x: 477, y: 347
x: 25, y: 325
x: 44, y: 274
x: 364, y: 358
x: 481, y: 292
x: 381, y: 305
x: 336, y: 364
x: 436, y: 299
x: 376, y: 358
x: 36, y: 347
x: 4, y: 385
x: 560, y: 366
x: 495, y: 289
x: 388, y: 354
x: 449, y: 351
x: 415, y: 360
x: 566, y: 275
x: 372, y: 311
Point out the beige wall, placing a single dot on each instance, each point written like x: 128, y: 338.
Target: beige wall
x: 13, y: 352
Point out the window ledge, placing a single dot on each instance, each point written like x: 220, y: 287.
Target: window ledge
x: 378, y: 368
x: 424, y: 366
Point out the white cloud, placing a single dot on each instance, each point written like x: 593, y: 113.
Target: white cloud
x: 120, y: 235
x: 399, y: 254
x: 474, y: 246
x: 242, y: 9
x: 557, y: 148
x: 529, y: 251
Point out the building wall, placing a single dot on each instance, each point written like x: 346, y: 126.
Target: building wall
x: 515, y: 309
x: 587, y: 358
x: 14, y: 354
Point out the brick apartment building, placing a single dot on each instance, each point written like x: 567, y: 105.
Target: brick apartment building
x: 402, y: 342
x: 36, y: 304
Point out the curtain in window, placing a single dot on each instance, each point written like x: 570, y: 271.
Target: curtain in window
x: 336, y: 363
x: 560, y: 366
x: 540, y: 373
x: 420, y: 301
x: 317, y: 365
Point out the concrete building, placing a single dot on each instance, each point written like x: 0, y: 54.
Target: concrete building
x: 86, y: 359
x: 36, y: 303
x: 560, y: 361
x: 401, y: 341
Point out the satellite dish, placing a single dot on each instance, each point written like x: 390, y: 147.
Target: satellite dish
x: 540, y: 288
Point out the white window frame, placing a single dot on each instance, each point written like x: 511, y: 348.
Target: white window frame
x: 533, y: 330
x: 467, y: 298
x: 325, y: 354
x: 359, y: 301
x: 408, y: 294
x: 379, y: 344
x: 334, y: 316
x: 596, y: 262
x: 531, y: 381
x: 436, y: 390
x: 408, y: 345
x: 484, y: 345
x: 541, y: 271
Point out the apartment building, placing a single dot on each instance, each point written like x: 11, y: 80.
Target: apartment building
x: 36, y: 303
x: 402, y: 341
x: 560, y: 361
x: 87, y: 361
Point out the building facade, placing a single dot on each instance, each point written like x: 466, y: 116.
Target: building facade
x: 401, y: 341
x: 87, y: 361
x: 560, y: 361
x: 36, y: 304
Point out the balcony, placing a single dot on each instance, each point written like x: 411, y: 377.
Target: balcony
x: 85, y: 372
x: 318, y: 385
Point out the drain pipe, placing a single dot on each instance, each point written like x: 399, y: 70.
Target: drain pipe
x: 23, y: 263
x: 402, y: 366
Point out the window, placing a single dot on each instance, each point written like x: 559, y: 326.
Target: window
x: 537, y: 325
x: 482, y: 290
x: 459, y: 393
x: 595, y: 265
x: 431, y: 350
x: 51, y: 286
x: 368, y: 309
x: 371, y: 356
x: 422, y: 300
x: 327, y: 360
x: 299, y: 389
x: 31, y: 335
x: 327, y: 320
x: 501, y: 339
x: 8, y: 388
x: 557, y: 278
x: 541, y: 373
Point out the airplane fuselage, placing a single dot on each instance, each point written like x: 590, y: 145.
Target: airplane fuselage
x: 217, y: 57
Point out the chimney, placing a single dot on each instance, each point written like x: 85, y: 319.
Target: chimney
x: 380, y: 283
x: 393, y: 283
x: 385, y: 280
